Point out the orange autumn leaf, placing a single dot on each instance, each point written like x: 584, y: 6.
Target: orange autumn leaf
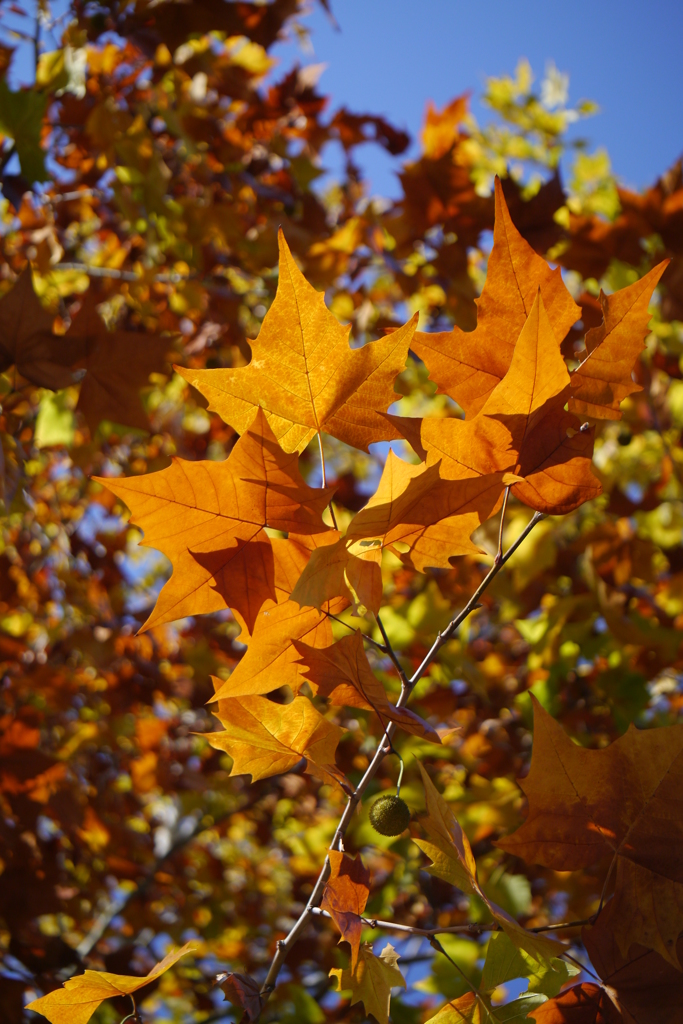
x: 522, y: 427
x: 345, y: 897
x: 603, y: 380
x: 304, y: 375
x: 582, y: 1004
x: 264, y: 738
x: 622, y: 802
x: 342, y: 673
x: 529, y: 403
x: 468, y: 365
x: 414, y: 506
x: 78, y: 999
x: 452, y: 859
x: 209, y: 519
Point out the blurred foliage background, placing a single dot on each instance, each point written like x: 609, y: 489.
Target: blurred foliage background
x: 145, y: 173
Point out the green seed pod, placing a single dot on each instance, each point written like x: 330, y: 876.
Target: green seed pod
x: 390, y: 815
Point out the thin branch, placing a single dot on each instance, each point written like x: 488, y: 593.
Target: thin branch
x: 583, y: 967
x: 454, y: 929
x: 384, y: 747
x: 434, y: 942
x: 499, y: 552
x: 370, y: 640
x: 324, y: 477
x: 390, y: 651
x: 447, y: 633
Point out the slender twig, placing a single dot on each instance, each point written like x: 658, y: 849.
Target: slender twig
x: 583, y: 967
x: 390, y: 650
x: 435, y: 944
x: 284, y: 945
x: 454, y: 929
x: 370, y: 640
x: 499, y: 552
x: 324, y: 477
x: 447, y: 633
x: 134, y: 1015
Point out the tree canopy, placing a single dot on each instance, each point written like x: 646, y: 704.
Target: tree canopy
x: 311, y: 498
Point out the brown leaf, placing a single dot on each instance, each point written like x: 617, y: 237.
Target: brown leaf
x: 342, y: 673
x: 345, y: 897
x: 27, y: 338
x: 624, y: 801
x: 647, y: 986
x: 242, y: 991
x: 304, y: 375
x: 603, y: 380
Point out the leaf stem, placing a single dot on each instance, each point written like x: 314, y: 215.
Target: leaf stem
x: 324, y: 477
x: 435, y: 944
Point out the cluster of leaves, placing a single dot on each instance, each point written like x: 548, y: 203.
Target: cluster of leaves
x: 146, y: 172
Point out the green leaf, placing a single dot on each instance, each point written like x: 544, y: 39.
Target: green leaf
x: 503, y: 962
x: 55, y: 424
x: 518, y: 1010
x: 21, y: 118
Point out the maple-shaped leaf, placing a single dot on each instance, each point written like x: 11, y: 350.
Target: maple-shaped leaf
x: 583, y: 1004
x: 78, y: 999
x: 304, y: 375
x: 117, y: 364
x: 647, y: 987
x: 473, y: 1008
x: 372, y: 980
x: 345, y: 897
x: 242, y: 991
x: 452, y: 859
x: 264, y: 738
x: 413, y: 505
x: 28, y: 341
x: 603, y: 379
x: 624, y: 801
x: 208, y: 518
x: 522, y: 427
x: 468, y: 365
x: 342, y: 673
x: 504, y: 962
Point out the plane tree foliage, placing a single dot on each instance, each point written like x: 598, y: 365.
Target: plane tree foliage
x: 314, y: 503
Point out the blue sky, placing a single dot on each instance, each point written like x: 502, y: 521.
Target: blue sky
x: 391, y: 56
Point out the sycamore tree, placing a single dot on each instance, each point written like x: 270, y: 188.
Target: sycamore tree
x: 341, y: 583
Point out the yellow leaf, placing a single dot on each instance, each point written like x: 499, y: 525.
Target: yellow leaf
x: 372, y: 980
x: 264, y: 738
x: 304, y: 374
x: 76, y: 1002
